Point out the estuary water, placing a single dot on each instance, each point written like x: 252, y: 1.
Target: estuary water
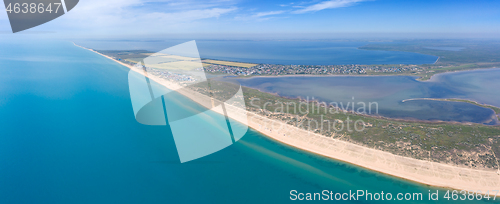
x: 68, y: 135
x: 391, y: 92
x: 276, y: 52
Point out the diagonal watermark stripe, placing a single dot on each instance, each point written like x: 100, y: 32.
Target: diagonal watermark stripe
x: 213, y: 119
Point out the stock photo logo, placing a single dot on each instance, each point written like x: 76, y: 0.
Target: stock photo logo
x: 216, y: 116
x: 26, y: 14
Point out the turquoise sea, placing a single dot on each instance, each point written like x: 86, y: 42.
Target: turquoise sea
x: 68, y: 135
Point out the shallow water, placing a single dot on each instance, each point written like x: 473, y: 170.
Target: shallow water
x: 276, y: 52
x: 390, y: 91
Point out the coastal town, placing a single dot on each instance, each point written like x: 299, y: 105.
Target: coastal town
x: 276, y: 69
x: 423, y: 72
x: 249, y: 69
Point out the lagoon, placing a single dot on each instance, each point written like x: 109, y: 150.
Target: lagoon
x: 390, y: 91
x: 275, y: 52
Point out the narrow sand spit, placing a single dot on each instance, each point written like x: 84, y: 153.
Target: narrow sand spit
x: 430, y: 173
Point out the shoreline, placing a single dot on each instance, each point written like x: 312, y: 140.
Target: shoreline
x: 420, y: 171
x: 449, y: 100
x: 409, y: 120
x: 417, y: 78
x: 495, y: 109
x: 437, y: 60
x: 456, y: 71
x: 323, y: 75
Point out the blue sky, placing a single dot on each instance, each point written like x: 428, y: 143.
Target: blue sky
x: 157, y: 17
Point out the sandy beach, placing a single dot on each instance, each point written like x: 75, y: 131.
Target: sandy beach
x: 425, y: 172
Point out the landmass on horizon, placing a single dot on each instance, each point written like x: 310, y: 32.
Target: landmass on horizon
x: 453, y: 55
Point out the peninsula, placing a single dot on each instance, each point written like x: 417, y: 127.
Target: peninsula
x: 417, y: 151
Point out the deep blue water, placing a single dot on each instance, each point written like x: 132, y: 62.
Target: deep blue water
x: 277, y: 52
x: 389, y: 92
x: 68, y: 135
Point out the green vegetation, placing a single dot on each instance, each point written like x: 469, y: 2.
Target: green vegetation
x: 228, y: 63
x: 434, y: 69
x: 471, y: 145
x: 474, y: 55
x: 454, y: 55
x: 126, y: 54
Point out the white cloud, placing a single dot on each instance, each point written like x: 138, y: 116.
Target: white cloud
x: 262, y: 14
x: 259, y: 16
x: 184, y: 16
x: 132, y: 16
x: 285, y: 5
x: 170, y: 16
x: 327, y: 5
x: 300, y: 8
